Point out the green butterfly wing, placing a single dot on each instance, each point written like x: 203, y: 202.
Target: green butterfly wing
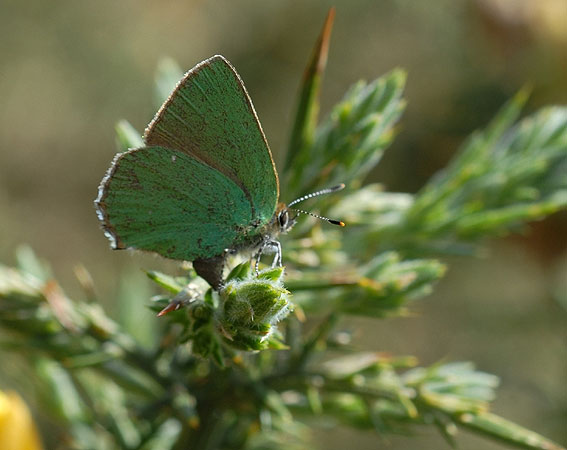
x: 210, y: 116
x: 166, y: 201
x: 206, y: 180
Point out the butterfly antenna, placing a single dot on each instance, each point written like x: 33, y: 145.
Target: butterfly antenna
x: 333, y: 221
x: 336, y: 188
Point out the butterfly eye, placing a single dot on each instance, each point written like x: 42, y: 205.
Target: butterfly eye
x: 283, y: 219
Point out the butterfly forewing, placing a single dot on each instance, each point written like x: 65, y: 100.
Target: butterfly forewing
x: 211, y: 117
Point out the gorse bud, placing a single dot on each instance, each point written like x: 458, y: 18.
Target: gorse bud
x: 243, y: 315
x: 251, y: 306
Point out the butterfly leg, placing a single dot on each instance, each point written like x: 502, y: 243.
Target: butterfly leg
x: 277, y: 262
x: 275, y: 247
x: 257, y: 258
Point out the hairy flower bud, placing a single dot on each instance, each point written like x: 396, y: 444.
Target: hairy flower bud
x: 251, y: 307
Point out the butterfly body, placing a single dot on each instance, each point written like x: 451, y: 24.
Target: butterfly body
x: 255, y: 241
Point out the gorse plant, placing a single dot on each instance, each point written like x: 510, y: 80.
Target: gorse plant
x: 237, y: 368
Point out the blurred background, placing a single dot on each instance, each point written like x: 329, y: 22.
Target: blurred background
x: 70, y: 70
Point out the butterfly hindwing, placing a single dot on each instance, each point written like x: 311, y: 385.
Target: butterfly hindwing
x: 169, y: 202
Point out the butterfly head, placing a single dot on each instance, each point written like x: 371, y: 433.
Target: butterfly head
x: 284, y: 219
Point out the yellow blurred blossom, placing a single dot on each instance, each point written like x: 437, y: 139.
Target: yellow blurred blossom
x: 17, y: 430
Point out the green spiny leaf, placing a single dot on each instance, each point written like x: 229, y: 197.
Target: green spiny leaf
x: 303, y: 131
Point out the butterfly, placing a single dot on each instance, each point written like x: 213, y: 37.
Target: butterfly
x: 205, y: 184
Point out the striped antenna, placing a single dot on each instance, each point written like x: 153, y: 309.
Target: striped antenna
x: 336, y: 188
x: 333, y: 221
